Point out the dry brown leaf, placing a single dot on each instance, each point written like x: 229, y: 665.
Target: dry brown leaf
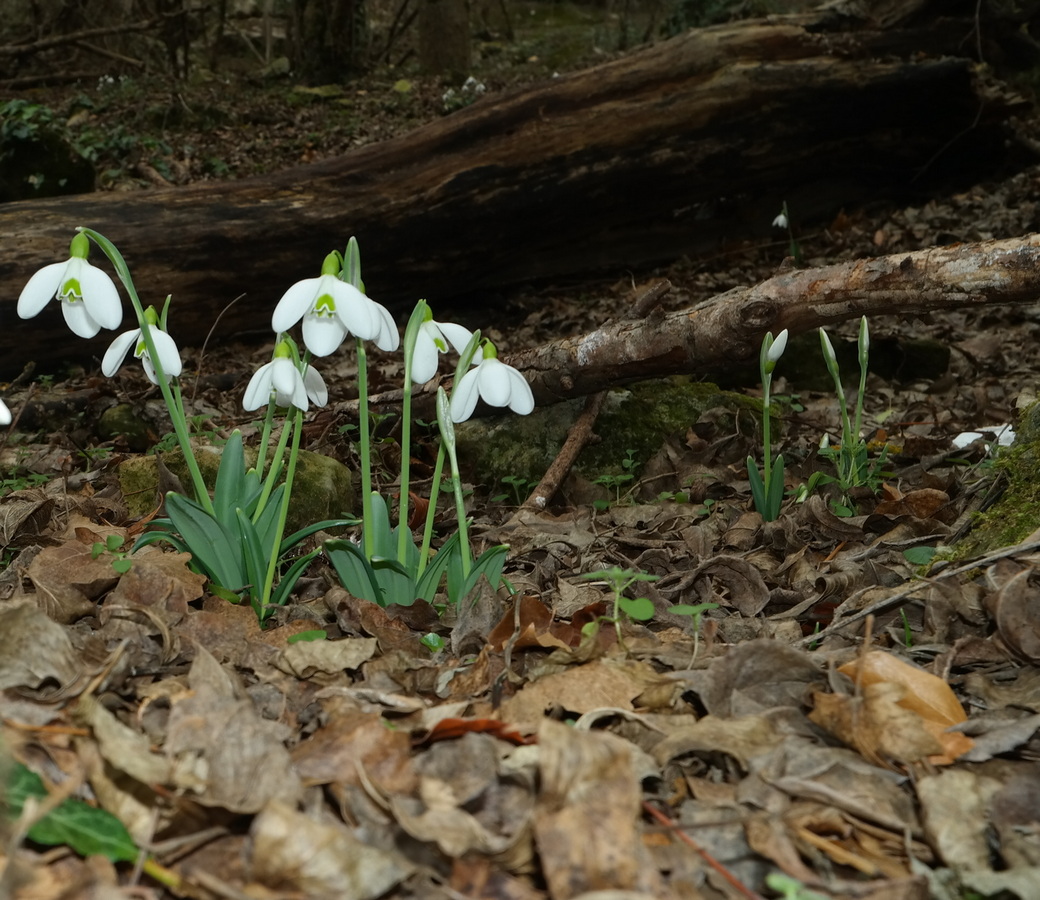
x: 586, y: 821
x: 291, y: 851
x: 1016, y: 609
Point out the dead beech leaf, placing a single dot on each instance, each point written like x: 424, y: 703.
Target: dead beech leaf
x: 307, y: 658
x: 586, y: 820
x: 160, y: 579
x: 925, y: 503
x: 902, y: 716
x: 35, y: 650
x: 747, y: 591
x: 68, y: 580
x: 535, y: 626
x: 926, y: 694
x: 23, y: 515
x: 223, y: 753
x: 1016, y: 609
x: 877, y: 726
x: 291, y: 851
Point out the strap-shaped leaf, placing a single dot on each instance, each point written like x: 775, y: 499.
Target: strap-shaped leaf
x: 354, y: 570
x: 256, y: 560
x: 293, y: 539
x: 288, y: 582
x: 209, y: 543
x: 227, y: 493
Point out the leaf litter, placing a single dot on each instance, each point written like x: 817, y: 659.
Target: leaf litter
x: 884, y: 756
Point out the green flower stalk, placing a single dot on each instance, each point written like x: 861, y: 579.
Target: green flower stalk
x: 767, y: 488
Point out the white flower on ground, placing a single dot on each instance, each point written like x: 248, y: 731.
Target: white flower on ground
x: 165, y: 347
x: 282, y: 379
x: 89, y: 299
x: 493, y: 382
x: 5, y: 414
x: 434, y: 338
x: 331, y: 309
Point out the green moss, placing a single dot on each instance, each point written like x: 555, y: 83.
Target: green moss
x: 323, y: 488
x: 1017, y: 514
x: 637, y: 419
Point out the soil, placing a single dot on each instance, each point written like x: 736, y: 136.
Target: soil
x: 726, y: 726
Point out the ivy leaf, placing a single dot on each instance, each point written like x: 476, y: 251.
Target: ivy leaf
x: 87, y: 830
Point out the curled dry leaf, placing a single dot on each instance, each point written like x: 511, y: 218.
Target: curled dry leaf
x: 293, y: 852
x: 1016, y: 609
x: 903, y: 714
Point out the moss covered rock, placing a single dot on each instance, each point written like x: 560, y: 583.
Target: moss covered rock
x: 637, y: 419
x: 323, y: 488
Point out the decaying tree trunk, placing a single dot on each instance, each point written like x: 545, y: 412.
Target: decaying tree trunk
x: 729, y: 328
x: 663, y: 153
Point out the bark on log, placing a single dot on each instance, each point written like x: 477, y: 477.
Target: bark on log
x: 638, y: 161
x: 729, y: 328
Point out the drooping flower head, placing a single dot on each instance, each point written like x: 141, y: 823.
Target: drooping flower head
x: 331, y: 309
x: 432, y: 339
x: 281, y: 379
x: 165, y: 347
x: 493, y: 382
x: 5, y: 414
x: 89, y: 299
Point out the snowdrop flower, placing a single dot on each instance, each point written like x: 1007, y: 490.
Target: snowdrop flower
x: 89, y: 299
x: 282, y: 379
x: 165, y: 346
x: 433, y: 338
x: 331, y: 309
x: 495, y: 383
x: 780, y: 221
x: 5, y: 414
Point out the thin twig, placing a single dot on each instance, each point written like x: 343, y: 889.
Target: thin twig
x: 676, y: 829
x: 900, y: 597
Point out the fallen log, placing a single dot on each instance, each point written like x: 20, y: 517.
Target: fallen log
x: 641, y: 160
x: 729, y: 328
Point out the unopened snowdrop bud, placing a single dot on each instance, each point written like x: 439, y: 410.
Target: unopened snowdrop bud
x: 165, y: 347
x: 89, y: 299
x: 493, y: 382
x: 864, y: 341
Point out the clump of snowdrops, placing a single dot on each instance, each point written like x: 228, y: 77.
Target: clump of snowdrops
x: 236, y: 536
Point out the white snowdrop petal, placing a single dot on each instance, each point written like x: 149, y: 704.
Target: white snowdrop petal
x: 388, y: 338
x: 424, y: 358
x: 40, y: 289
x: 5, y: 414
x: 315, y: 386
x: 117, y: 350
x: 322, y: 335
x: 169, y: 355
x: 294, y: 304
x: 456, y: 335
x: 258, y: 391
x: 100, y: 296
x: 521, y: 398
x: 464, y: 396
x: 494, y: 382
x: 78, y: 319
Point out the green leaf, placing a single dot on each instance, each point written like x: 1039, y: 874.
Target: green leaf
x: 293, y: 539
x: 208, y: 542
x: 641, y: 609
x: 354, y: 570
x: 289, y: 579
x: 315, y: 634
x: 87, y: 830
x: 919, y: 556
x: 691, y: 609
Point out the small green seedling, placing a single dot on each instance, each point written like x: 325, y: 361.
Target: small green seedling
x: 641, y: 609
x: 521, y: 487
x: 121, y: 562
x: 616, y: 482
x: 694, y: 611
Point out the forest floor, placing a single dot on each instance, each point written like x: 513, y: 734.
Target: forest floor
x: 738, y: 733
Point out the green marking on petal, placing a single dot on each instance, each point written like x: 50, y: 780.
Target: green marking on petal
x: 325, y: 305
x: 440, y: 344
x: 71, y: 291
x: 142, y: 348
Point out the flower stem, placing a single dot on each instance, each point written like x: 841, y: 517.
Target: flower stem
x: 368, y: 529
x: 431, y: 510
x: 403, y: 530
x: 297, y: 427
x: 174, y: 407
